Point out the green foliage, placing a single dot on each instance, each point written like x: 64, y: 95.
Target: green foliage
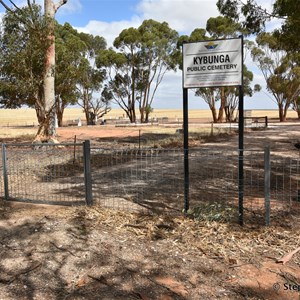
x: 249, y: 14
x: 213, y: 211
x: 136, y: 69
x: 220, y: 28
x: 110, y: 58
x: 23, y: 47
x: 253, y: 18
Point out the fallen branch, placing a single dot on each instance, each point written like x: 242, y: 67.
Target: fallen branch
x: 101, y: 279
x: 26, y: 271
x: 288, y: 257
x: 238, y: 266
x: 63, y: 249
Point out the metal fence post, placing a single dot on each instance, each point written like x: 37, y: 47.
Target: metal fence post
x: 87, y: 172
x: 267, y: 184
x: 5, y: 178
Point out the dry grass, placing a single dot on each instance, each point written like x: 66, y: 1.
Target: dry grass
x: 27, y: 116
x: 209, y: 236
x: 18, y: 132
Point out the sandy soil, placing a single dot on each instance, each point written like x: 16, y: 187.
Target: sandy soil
x: 53, y: 252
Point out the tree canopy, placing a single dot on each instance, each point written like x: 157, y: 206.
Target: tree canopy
x: 23, y: 51
x: 33, y: 41
x: 253, y: 18
x: 22, y: 67
x: 144, y: 56
x: 279, y: 69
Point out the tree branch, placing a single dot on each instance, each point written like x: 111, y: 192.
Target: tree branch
x: 59, y: 4
x: 14, y: 5
x: 5, y: 6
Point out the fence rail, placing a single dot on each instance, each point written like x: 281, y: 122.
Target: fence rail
x: 149, y: 180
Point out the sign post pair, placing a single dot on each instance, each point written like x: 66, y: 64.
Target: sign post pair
x: 214, y: 63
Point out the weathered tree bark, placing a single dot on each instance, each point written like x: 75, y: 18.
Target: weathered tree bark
x: 282, y: 109
x: 47, y: 130
x: 60, y: 107
x: 222, y: 106
x: 214, y: 114
x: 131, y: 110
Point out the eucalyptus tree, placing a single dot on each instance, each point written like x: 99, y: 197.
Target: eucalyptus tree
x: 280, y: 70
x: 47, y: 131
x: 137, y: 68
x: 69, y: 49
x: 157, y: 56
x: 22, y: 63
x: 89, y: 83
x: 77, y: 78
x: 253, y: 18
x: 29, y: 23
x: 120, y: 89
x: 92, y: 96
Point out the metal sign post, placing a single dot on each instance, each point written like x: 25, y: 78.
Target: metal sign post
x: 241, y: 155
x: 186, y: 150
x: 214, y: 63
x: 241, y: 143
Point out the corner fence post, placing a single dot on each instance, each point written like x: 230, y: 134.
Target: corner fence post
x: 5, y: 178
x: 267, y: 184
x: 87, y: 172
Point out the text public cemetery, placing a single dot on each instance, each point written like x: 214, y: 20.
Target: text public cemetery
x: 200, y: 63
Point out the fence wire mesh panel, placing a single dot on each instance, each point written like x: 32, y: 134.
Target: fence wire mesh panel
x: 148, y: 180
x: 213, y: 184
x: 285, y: 182
x: 263, y: 202
x: 47, y: 174
x: 152, y: 180
x: 254, y: 186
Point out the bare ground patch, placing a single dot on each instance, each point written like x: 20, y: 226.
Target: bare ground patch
x: 92, y: 253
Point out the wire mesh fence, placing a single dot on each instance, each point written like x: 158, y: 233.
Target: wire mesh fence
x: 45, y: 174
x: 147, y: 180
x: 285, y: 181
x: 151, y: 180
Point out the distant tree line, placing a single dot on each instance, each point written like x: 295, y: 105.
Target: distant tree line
x: 85, y: 72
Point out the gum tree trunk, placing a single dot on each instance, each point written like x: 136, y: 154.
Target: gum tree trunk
x: 47, y: 130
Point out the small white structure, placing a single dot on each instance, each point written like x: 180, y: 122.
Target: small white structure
x: 55, y: 121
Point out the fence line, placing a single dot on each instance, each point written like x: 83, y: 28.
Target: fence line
x: 43, y: 174
x: 149, y: 180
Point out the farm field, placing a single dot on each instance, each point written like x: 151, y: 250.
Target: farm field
x: 27, y: 117
x: 56, y: 252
